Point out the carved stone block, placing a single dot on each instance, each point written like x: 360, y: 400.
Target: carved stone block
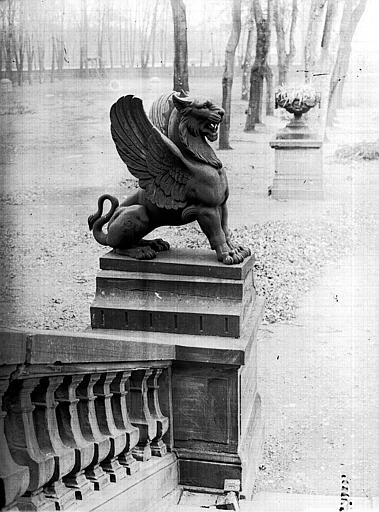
x: 166, y: 296
x: 298, y: 169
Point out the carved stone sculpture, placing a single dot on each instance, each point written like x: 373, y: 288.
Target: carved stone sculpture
x: 180, y: 177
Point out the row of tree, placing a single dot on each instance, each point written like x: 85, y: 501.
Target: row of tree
x: 85, y: 34
x: 50, y: 35
x: 327, y: 50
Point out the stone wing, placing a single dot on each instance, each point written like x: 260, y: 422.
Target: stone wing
x: 152, y: 158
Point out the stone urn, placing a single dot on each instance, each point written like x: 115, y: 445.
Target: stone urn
x: 296, y: 101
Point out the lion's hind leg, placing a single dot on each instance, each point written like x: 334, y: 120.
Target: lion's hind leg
x: 126, y: 231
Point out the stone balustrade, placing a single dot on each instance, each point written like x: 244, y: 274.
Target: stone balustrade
x: 68, y: 430
x: 160, y: 395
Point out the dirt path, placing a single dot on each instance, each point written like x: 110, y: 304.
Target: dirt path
x: 318, y: 379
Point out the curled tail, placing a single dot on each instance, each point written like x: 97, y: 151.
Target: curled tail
x: 98, y: 220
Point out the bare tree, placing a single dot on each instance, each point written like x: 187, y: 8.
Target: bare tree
x: 53, y: 57
x: 260, y: 70
x: 18, y: 43
x: 29, y: 48
x: 145, y: 24
x: 163, y: 37
x: 327, y: 55
x: 313, y: 37
x: 9, y: 35
x: 247, y: 61
x: 109, y: 30
x: 153, y: 33
x: 227, y: 79
x: 351, y: 15
x: 83, y: 64
x: 131, y: 37
x: 100, y: 38
x: 180, y: 45
x: 2, y: 36
x: 285, y: 56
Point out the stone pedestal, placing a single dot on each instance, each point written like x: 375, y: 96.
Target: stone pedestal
x: 210, y: 313
x: 298, y: 169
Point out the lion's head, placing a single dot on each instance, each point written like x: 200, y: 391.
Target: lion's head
x: 196, y: 120
x: 199, y: 116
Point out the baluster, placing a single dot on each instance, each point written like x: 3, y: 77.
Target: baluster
x: 91, y: 431
x: 47, y: 433
x: 140, y: 415
x: 119, y: 388
x: 22, y: 441
x: 107, y: 426
x: 158, y: 447
x: 14, y: 479
x: 71, y: 435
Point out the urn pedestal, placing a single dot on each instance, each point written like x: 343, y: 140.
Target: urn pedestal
x: 298, y: 169
x: 210, y: 313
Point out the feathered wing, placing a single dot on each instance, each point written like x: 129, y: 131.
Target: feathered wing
x: 149, y: 155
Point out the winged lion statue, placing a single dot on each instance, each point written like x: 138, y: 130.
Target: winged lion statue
x: 180, y: 177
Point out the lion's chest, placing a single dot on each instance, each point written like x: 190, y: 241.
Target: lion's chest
x: 209, y: 187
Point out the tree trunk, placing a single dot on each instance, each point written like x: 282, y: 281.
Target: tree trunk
x: 260, y: 69
x: 180, y: 45
x: 41, y: 61
x: 8, y: 41
x: 53, y: 51
x: 163, y: 38
x: 100, y: 41
x: 269, y: 76
x: 284, y: 57
x: 60, y: 58
x: 350, y: 20
x: 324, y: 66
x: 248, y: 58
x: 18, y: 50
x: 313, y: 37
x: 110, y: 34
x: 84, y: 72
x: 29, y: 57
x: 227, y: 79
x: 213, y: 54
x: 153, y: 33
x: 1, y: 52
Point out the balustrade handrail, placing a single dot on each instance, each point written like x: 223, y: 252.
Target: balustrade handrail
x: 79, y: 411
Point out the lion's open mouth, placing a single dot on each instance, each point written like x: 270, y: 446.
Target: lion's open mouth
x: 211, y: 131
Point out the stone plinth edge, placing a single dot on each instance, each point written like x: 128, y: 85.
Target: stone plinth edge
x: 189, y: 262
x: 295, y: 143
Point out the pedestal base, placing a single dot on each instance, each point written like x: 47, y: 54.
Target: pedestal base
x: 298, y: 169
x: 210, y: 313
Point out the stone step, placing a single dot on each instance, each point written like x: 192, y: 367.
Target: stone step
x: 170, y: 313
x: 110, y: 283
x: 179, y: 262
x: 181, y: 291
x: 273, y: 502
x: 156, y: 479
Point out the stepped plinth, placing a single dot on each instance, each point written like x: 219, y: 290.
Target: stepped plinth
x: 210, y: 314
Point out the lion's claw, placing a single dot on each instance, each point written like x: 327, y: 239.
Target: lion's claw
x: 227, y: 259
x: 233, y: 254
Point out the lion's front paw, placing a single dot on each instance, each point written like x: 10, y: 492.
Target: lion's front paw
x: 239, y: 249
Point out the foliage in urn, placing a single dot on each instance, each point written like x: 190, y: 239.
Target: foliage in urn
x: 297, y: 100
